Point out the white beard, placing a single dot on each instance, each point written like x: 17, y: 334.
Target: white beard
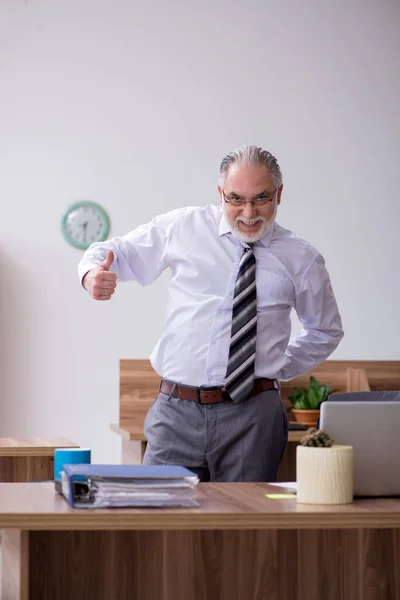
x: 250, y: 238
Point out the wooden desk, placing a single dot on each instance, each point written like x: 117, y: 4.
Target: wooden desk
x: 29, y: 459
x: 134, y: 446
x: 239, y: 545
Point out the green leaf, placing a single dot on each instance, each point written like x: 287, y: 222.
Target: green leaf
x: 300, y: 404
x: 324, y: 392
x: 296, y: 394
x: 313, y: 398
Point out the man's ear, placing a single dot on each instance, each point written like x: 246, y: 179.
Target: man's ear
x: 278, y: 200
x: 220, y: 195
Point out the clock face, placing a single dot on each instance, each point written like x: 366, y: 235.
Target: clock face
x: 85, y: 223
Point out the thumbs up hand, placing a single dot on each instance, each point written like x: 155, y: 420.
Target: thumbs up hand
x: 100, y: 282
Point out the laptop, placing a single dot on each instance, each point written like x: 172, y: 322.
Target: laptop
x: 373, y: 429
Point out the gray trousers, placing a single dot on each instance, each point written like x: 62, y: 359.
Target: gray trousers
x: 219, y: 442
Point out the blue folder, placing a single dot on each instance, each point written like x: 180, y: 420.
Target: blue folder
x: 91, y: 486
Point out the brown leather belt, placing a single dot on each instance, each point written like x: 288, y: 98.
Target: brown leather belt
x: 210, y: 395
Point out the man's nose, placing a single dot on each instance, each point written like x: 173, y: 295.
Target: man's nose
x: 248, y: 210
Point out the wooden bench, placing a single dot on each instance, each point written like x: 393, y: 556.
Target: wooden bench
x: 139, y: 385
x: 32, y: 459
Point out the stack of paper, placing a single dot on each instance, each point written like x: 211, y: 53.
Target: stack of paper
x: 95, y: 486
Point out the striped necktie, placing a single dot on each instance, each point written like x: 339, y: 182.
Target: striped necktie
x: 242, y: 351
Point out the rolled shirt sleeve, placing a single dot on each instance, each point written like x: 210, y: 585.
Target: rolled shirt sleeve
x: 141, y: 255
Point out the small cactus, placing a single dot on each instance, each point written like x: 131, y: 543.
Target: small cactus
x: 317, y: 439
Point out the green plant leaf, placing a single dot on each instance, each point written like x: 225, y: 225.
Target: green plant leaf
x: 300, y: 404
x: 313, y: 398
x: 296, y: 394
x: 324, y: 392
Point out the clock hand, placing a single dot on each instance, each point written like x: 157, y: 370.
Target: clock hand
x: 84, y: 225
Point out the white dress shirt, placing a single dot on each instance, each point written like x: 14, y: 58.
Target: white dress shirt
x: 197, y: 245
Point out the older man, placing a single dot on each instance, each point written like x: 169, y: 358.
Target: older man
x: 236, y: 275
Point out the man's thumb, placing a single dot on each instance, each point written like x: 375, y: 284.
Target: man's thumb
x: 106, y: 264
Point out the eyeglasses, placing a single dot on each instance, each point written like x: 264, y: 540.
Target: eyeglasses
x: 261, y: 200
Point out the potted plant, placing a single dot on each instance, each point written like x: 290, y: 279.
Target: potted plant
x: 307, y: 401
x: 324, y: 470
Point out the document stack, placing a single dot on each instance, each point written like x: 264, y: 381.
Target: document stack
x: 105, y: 486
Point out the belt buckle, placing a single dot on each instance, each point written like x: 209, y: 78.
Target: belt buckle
x: 199, y: 401
x: 199, y: 390
x: 226, y: 397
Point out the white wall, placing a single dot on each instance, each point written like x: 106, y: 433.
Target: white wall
x: 132, y: 105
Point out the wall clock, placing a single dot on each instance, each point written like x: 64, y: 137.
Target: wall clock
x: 84, y: 223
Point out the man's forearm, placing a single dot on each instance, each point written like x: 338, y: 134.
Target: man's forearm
x: 309, y: 350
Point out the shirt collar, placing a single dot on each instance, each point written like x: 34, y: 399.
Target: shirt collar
x: 225, y: 228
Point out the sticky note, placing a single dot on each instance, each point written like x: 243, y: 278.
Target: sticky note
x: 280, y: 496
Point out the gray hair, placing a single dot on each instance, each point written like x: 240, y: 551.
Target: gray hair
x: 251, y: 155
